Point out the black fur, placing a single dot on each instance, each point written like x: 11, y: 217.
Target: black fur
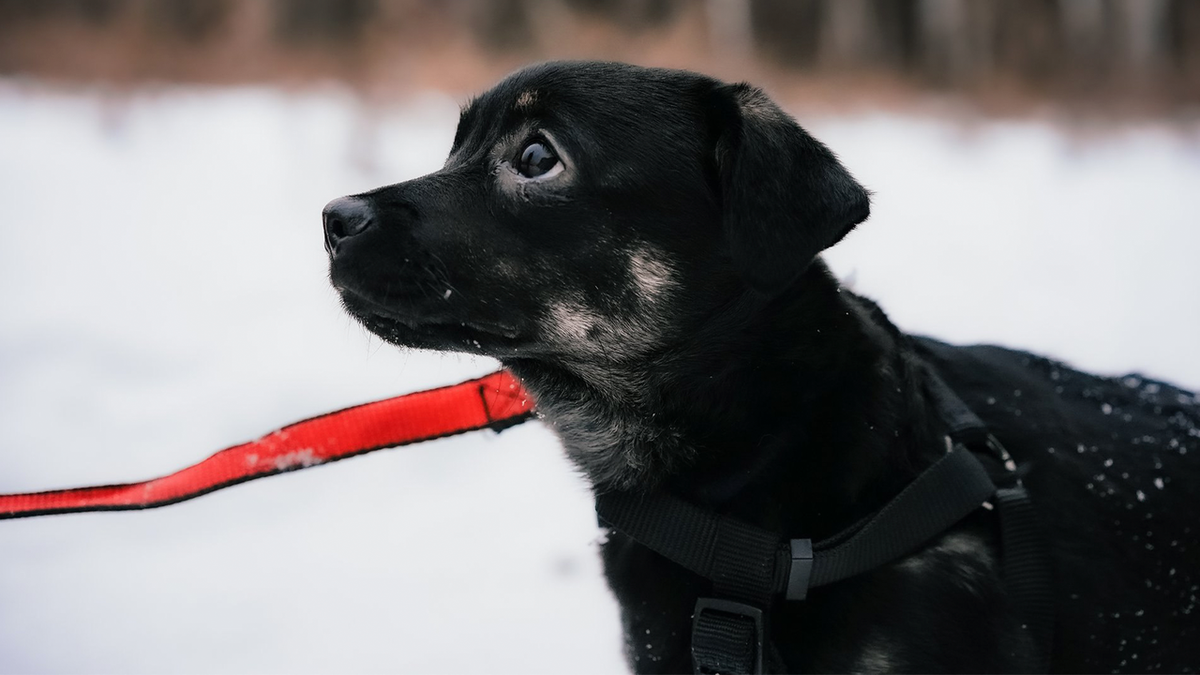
x: 662, y: 299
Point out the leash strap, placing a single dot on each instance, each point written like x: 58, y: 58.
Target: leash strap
x: 748, y: 565
x: 494, y: 401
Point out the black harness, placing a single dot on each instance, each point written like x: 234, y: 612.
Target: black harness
x: 751, y: 568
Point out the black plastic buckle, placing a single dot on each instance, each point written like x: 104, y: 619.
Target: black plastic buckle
x: 801, y: 570
x: 750, y: 612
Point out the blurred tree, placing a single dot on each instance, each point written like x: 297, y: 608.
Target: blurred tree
x: 788, y: 30
x: 1183, y: 38
x: 501, y: 24
x: 301, y: 21
x: 630, y: 14
x: 96, y: 12
x: 190, y: 20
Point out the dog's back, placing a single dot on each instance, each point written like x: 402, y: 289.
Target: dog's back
x: 1114, y: 468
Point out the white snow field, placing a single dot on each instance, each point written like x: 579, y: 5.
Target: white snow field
x: 164, y: 295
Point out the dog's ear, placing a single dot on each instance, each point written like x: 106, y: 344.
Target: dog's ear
x: 785, y: 197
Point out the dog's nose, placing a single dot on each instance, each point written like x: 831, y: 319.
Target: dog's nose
x: 345, y: 217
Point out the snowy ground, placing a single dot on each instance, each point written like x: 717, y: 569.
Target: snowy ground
x: 164, y: 296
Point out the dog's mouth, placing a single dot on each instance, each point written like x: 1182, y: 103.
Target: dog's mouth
x: 420, y: 323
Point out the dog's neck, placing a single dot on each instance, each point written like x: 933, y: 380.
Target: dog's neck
x: 808, y: 415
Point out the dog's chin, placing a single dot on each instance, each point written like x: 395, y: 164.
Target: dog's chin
x: 439, y: 330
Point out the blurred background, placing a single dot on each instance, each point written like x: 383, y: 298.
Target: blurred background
x: 1128, y: 55
x: 163, y: 291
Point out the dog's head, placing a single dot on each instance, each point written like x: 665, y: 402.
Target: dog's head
x: 591, y: 212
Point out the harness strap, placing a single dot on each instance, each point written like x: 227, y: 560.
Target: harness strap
x: 493, y: 401
x: 1027, y: 570
x: 742, y: 559
x: 948, y: 491
x: 962, y: 424
x: 1025, y: 558
x: 750, y: 566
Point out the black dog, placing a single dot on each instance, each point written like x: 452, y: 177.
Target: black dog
x: 640, y: 247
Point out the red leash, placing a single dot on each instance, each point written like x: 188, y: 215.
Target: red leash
x: 494, y: 401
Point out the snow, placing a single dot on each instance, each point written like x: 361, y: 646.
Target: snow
x: 165, y: 296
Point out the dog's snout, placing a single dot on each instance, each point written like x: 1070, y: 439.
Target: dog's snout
x: 345, y: 217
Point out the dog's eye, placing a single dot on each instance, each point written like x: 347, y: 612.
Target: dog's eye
x: 537, y: 160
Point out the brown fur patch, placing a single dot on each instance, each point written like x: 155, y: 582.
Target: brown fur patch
x: 526, y: 100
